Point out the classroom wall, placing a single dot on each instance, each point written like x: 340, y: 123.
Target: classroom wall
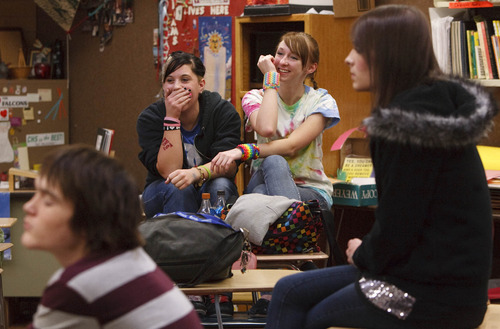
x: 110, y: 88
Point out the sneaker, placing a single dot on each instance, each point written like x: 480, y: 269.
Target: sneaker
x: 226, y: 308
x: 199, y: 305
x: 259, y: 309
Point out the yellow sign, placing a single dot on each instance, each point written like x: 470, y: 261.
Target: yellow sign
x: 357, y: 167
x: 490, y: 157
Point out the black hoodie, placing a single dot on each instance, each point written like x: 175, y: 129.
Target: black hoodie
x: 432, y: 236
x: 220, y: 131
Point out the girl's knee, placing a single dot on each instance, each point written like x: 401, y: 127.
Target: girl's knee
x: 275, y: 161
x: 222, y: 183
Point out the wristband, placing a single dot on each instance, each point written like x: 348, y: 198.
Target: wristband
x: 171, y: 124
x: 249, y: 151
x: 271, y: 80
x: 208, y: 172
x: 169, y: 128
x: 171, y: 120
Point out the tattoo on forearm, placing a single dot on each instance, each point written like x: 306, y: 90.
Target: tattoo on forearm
x: 165, y: 143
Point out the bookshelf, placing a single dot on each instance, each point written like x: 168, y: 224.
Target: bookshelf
x: 447, y: 47
x: 256, y: 35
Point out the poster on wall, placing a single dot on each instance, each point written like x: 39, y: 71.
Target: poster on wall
x: 215, y: 53
x: 179, y: 29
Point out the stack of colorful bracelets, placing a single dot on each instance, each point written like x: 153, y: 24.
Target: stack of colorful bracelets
x: 271, y: 80
x: 170, y: 123
x: 249, y: 151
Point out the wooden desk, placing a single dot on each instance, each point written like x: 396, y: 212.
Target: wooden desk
x: 292, y: 261
x: 250, y: 281
x: 5, y: 245
x: 13, y: 172
x: 6, y: 222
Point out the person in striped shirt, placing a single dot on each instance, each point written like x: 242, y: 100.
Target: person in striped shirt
x: 85, y: 211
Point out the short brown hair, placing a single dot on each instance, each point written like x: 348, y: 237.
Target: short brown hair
x: 107, y: 209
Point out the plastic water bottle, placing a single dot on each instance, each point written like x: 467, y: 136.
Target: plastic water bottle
x: 205, y: 204
x: 220, y: 203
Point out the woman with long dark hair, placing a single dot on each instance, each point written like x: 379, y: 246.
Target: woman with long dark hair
x: 427, y: 259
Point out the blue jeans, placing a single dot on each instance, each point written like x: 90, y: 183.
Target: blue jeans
x: 275, y: 178
x: 318, y: 299
x: 159, y: 197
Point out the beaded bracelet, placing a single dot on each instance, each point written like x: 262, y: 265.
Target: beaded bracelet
x: 249, y: 151
x: 271, y: 80
x: 202, y: 179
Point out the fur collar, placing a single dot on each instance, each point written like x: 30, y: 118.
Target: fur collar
x: 426, y: 125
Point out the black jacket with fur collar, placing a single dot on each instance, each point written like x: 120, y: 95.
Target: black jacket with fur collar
x: 433, y: 231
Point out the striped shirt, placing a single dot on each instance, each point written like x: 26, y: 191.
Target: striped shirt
x: 119, y: 290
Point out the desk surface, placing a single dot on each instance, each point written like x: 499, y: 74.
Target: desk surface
x: 251, y: 280
x: 7, y: 221
x: 291, y: 257
x: 5, y: 245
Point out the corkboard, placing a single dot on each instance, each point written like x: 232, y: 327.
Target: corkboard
x: 50, y: 116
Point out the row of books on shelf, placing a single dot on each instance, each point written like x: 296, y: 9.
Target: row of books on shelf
x: 475, y: 48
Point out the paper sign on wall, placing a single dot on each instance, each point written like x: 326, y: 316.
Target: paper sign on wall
x: 13, y: 102
x: 56, y: 138
x: 29, y: 113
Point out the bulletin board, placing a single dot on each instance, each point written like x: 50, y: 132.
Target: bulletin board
x: 34, y: 119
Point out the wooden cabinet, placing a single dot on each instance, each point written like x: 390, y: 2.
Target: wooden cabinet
x: 255, y: 36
